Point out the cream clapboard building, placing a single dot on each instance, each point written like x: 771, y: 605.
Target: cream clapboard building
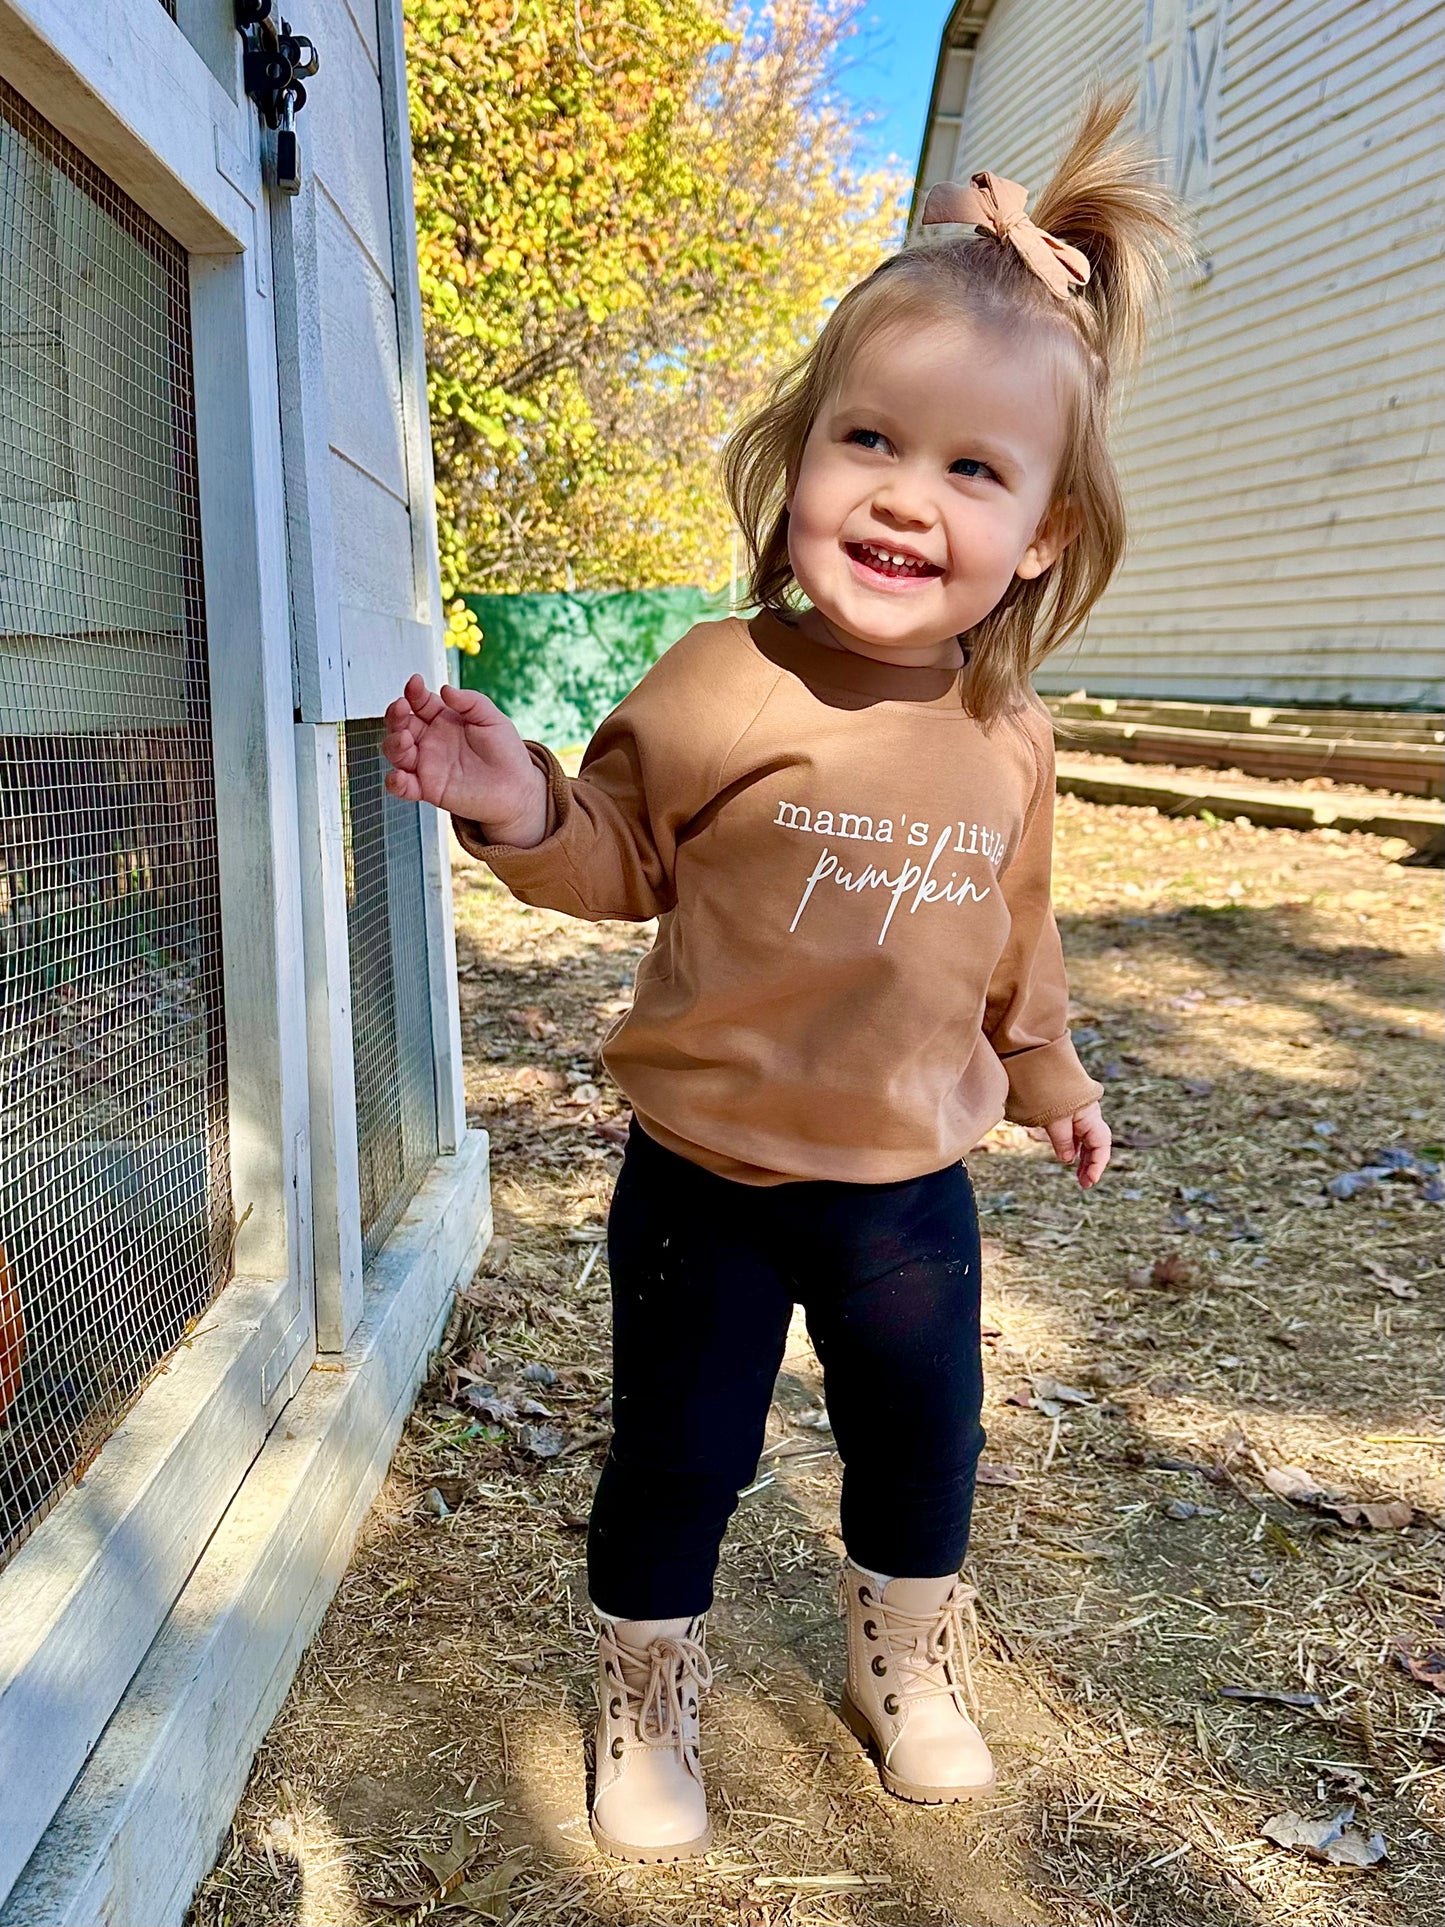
x: 1283, y: 450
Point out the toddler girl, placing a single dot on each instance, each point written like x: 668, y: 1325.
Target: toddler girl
x: 840, y: 813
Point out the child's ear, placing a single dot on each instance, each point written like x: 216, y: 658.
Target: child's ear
x: 1052, y: 536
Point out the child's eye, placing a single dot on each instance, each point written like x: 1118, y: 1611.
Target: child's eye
x: 867, y: 438
x: 972, y: 470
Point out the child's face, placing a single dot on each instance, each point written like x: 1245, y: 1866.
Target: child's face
x: 941, y: 446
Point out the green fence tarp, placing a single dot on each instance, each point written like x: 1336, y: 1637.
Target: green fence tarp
x: 558, y: 663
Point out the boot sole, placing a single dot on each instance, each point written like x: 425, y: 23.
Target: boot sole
x: 858, y: 1724
x: 650, y: 1856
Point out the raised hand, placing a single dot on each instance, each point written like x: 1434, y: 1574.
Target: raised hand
x: 458, y: 751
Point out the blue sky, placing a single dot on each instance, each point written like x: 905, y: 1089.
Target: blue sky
x: 887, y: 67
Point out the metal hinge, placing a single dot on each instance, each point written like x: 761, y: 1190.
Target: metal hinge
x: 276, y: 62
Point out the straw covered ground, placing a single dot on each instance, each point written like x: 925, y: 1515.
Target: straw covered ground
x: 1208, y: 1542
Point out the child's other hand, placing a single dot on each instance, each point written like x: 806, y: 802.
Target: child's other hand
x: 1085, y: 1137
x: 458, y: 751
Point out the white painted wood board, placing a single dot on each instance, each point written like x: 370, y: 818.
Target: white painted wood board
x: 319, y: 691
x: 345, y: 135
x: 145, y: 1818
x: 373, y: 547
x: 123, y: 82
x: 248, y: 621
x: 362, y: 357
x: 335, y: 1171
x: 83, y: 1598
x: 381, y: 651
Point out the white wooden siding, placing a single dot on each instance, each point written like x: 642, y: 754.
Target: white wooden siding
x: 1282, y: 452
x: 388, y: 621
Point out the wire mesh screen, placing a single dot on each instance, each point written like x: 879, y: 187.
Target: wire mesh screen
x: 396, y: 1105
x: 115, y: 1216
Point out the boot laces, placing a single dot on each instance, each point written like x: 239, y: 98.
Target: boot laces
x: 931, y: 1650
x: 677, y: 1668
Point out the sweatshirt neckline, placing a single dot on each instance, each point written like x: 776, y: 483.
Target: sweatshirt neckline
x: 787, y: 646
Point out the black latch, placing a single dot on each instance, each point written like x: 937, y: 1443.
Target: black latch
x: 276, y: 62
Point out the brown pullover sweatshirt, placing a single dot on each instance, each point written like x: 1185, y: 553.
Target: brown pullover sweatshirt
x: 857, y: 969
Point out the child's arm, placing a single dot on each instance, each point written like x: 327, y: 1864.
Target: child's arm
x: 602, y: 844
x: 458, y: 751
x: 1026, y: 1017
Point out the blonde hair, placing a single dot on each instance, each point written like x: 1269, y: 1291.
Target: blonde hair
x: 1104, y: 199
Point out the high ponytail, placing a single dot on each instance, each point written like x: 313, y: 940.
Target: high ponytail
x: 1106, y: 199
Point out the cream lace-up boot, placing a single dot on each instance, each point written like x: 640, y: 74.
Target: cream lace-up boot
x: 910, y: 1695
x: 648, y: 1802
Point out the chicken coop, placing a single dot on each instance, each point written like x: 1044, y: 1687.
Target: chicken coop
x: 237, y: 1187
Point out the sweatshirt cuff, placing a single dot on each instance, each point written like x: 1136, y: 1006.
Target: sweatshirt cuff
x: 1047, y: 1082
x: 559, y: 804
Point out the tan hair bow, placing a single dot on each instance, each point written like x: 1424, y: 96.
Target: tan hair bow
x: 995, y: 206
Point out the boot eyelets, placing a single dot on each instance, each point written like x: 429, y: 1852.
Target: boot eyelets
x: 617, y: 1749
x: 692, y: 1706
x: 890, y: 1704
x: 870, y: 1628
x: 865, y: 1598
x: 614, y: 1709
x: 879, y: 1664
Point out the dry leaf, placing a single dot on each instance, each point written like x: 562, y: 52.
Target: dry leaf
x: 1388, y: 1280
x: 1302, y: 1702
x: 1427, y: 1667
x: 997, y: 1475
x: 1386, y: 1515
x: 542, y: 1441
x: 534, y: 1077
x: 534, y: 1020
x: 1050, y: 1391
x: 489, y: 1404
x: 1170, y: 1271
x: 1336, y: 1842
x: 1292, y: 1482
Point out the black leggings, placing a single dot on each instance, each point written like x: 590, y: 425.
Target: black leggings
x: 705, y: 1273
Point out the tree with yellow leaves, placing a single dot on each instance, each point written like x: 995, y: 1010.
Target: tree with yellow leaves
x: 630, y: 214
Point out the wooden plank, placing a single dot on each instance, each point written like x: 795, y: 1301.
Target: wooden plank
x: 361, y: 355
x: 1420, y: 824
x: 123, y: 82
x: 373, y: 547
x: 146, y: 1816
x: 305, y: 449
x: 361, y: 14
x: 421, y: 489
x: 83, y: 1598
x: 1411, y: 769
x: 441, y: 950
x: 335, y: 1170
x: 381, y: 652
x: 426, y: 579
x: 347, y: 140
x: 1355, y: 725
x: 243, y: 532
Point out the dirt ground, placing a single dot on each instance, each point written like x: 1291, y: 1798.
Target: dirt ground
x: 1198, y: 1376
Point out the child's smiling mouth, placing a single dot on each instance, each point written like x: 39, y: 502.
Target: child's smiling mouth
x: 898, y: 568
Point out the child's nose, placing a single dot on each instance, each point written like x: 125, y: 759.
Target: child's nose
x: 905, y: 500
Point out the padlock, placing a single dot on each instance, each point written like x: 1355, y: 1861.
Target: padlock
x: 288, y: 148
